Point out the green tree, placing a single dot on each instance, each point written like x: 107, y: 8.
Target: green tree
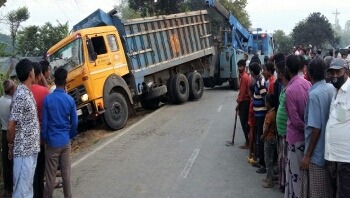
x: 35, y: 41
x: 14, y: 19
x: 125, y: 12
x: 2, y: 3
x: 345, y: 35
x: 3, y: 77
x: 315, y: 30
x: 50, y: 35
x: 28, y: 41
x: 3, y: 50
x: 283, y: 42
x: 159, y: 7
x: 237, y: 9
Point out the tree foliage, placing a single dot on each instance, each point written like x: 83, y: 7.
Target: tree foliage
x: 159, y: 7
x: 35, y: 40
x: 14, y: 19
x: 237, y: 9
x: 315, y: 30
x: 125, y: 12
x: 2, y: 3
x: 283, y: 42
x: 344, y: 35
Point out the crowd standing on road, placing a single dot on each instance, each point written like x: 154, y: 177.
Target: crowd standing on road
x: 303, y: 116
x: 36, y: 131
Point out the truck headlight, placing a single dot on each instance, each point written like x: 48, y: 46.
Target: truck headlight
x: 85, y: 97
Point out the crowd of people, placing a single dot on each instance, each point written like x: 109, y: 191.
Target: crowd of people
x: 37, y: 127
x: 295, y: 115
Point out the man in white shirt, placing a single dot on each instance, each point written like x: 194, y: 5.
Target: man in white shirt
x: 337, y: 146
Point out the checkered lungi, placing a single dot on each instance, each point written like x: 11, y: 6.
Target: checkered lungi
x: 316, y: 182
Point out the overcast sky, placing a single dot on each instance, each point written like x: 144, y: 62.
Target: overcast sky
x: 269, y: 15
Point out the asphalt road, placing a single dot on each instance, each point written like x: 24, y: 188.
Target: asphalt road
x: 176, y: 151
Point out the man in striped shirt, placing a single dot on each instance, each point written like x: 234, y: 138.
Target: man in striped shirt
x: 260, y: 92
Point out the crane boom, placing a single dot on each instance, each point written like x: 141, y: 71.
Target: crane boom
x: 242, y: 38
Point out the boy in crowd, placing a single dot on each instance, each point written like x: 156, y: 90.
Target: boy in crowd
x: 269, y: 138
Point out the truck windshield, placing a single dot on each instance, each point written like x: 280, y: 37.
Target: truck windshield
x: 70, y: 56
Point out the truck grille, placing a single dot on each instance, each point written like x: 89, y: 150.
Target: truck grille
x: 76, y: 94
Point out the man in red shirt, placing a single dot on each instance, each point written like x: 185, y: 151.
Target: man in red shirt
x: 269, y: 77
x: 39, y: 93
x: 243, y: 100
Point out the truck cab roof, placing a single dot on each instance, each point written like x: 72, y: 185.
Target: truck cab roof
x: 78, y: 34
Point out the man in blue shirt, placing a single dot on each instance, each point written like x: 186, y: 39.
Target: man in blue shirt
x: 59, y: 125
x: 316, y: 115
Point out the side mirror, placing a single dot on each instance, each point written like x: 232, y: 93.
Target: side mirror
x: 91, y: 50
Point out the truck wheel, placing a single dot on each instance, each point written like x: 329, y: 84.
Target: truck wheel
x: 196, y: 86
x: 209, y: 82
x: 116, y: 111
x: 234, y: 83
x: 171, y: 97
x: 180, y: 88
x: 150, y: 104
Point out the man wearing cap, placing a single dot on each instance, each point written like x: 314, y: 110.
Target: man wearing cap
x: 7, y: 164
x: 337, y: 147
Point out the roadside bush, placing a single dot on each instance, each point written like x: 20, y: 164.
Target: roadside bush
x: 2, y: 78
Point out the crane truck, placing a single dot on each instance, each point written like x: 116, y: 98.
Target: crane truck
x: 234, y: 41
x: 115, y: 64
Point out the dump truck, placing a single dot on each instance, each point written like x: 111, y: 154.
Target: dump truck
x: 114, y: 64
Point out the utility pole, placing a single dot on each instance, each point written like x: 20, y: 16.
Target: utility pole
x: 336, y: 13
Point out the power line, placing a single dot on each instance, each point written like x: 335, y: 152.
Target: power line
x: 62, y: 10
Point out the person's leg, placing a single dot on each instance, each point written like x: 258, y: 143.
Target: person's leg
x: 296, y: 153
x: 269, y: 155
x: 282, y: 155
x: 288, y: 184
x: 51, y: 163
x: 7, y: 165
x: 332, y: 169
x: 243, y: 117
x: 319, y: 179
x: 38, y: 184
x: 344, y: 180
x: 260, y: 143
x: 24, y: 168
x: 65, y: 160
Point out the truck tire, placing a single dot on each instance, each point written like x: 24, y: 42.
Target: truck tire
x: 209, y: 82
x: 171, y: 97
x: 196, y: 86
x: 150, y: 104
x: 180, y: 88
x: 116, y: 111
x: 234, y: 84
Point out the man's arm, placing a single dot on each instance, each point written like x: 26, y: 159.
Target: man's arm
x: 11, y: 128
x: 314, y: 121
x: 262, y: 88
x: 44, y: 133
x: 74, y: 121
x: 315, y: 135
x: 292, y: 111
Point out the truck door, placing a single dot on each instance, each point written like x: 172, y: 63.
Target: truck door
x: 102, y: 66
x: 117, y: 54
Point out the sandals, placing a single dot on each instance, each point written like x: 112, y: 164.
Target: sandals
x: 59, y: 184
x: 261, y: 170
x: 244, y: 147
